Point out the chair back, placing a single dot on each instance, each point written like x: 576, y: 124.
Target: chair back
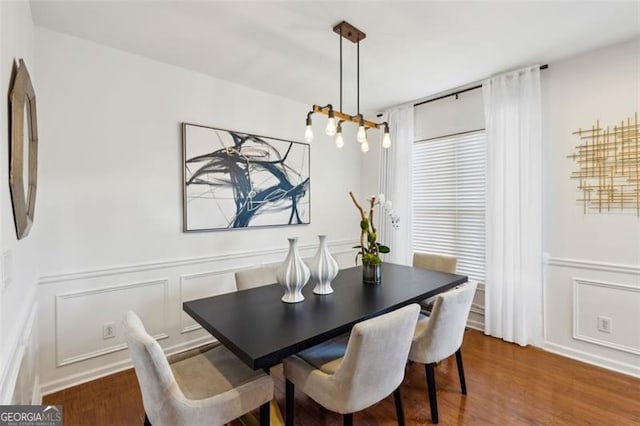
x: 256, y: 277
x: 435, y: 262
x: 374, y: 362
x: 444, y: 330
x: 152, y: 369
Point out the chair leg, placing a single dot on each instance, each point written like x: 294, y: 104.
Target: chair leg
x: 463, y: 384
x: 265, y: 414
x: 347, y: 419
x: 289, y: 401
x: 431, y: 387
x: 399, y: 409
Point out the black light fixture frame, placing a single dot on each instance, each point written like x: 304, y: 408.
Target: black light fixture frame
x: 353, y: 34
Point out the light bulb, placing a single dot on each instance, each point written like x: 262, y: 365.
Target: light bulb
x: 308, y: 134
x: 364, y: 147
x: 339, y: 140
x: 361, y: 136
x: 386, y: 140
x: 331, y: 126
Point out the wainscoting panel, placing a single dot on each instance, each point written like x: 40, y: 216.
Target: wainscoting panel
x: 579, y: 291
x: 617, y: 303
x: 204, y: 284
x: 74, y: 306
x: 81, y: 316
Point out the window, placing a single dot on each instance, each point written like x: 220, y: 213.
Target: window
x: 449, y: 199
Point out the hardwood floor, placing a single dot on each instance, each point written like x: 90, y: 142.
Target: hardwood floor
x: 507, y: 385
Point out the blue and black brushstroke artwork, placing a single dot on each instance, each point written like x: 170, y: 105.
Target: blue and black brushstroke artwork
x: 238, y: 180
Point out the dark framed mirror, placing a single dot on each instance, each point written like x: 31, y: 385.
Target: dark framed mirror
x: 23, y: 149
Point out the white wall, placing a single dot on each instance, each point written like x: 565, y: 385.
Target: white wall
x: 450, y: 115
x: 111, y: 208
x: 20, y: 268
x: 593, y: 265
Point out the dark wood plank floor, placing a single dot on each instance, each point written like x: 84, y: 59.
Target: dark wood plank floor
x: 507, y: 385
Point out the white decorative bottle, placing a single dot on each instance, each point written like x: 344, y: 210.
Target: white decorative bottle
x: 292, y: 274
x: 324, y: 268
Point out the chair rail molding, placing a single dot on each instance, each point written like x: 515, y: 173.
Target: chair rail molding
x: 173, y: 263
x: 593, y: 265
x: 61, y: 359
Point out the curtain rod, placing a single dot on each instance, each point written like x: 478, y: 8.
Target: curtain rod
x: 456, y: 93
x: 542, y: 67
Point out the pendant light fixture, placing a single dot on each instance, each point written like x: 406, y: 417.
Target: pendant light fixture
x: 351, y: 33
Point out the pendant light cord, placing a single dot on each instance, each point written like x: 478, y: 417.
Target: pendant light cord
x: 358, y: 74
x: 340, y: 69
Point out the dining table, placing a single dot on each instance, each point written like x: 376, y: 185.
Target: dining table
x: 262, y: 330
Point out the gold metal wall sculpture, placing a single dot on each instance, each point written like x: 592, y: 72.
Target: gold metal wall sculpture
x: 609, y: 167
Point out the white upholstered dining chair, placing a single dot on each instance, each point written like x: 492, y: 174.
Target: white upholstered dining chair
x: 351, y: 373
x: 256, y: 277
x: 435, y: 262
x: 208, y: 385
x: 440, y: 335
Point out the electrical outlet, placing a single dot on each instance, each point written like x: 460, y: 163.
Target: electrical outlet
x: 604, y: 324
x: 108, y: 330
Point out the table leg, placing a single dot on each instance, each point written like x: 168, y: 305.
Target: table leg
x: 275, y: 416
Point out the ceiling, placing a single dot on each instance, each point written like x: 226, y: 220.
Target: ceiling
x: 288, y: 48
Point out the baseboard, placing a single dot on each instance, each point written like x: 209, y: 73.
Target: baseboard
x: 86, y: 376
x: 476, y: 325
x: 109, y: 369
x: 598, y: 361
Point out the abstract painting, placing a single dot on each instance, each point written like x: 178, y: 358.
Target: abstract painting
x: 237, y: 180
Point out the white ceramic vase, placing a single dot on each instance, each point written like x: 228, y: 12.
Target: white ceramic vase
x: 324, y: 268
x: 292, y: 274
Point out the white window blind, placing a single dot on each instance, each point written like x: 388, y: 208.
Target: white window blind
x: 449, y: 199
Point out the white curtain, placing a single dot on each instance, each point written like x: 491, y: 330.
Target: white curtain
x: 395, y: 183
x: 513, y: 295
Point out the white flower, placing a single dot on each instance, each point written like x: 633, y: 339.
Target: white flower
x: 388, y: 205
x: 380, y: 198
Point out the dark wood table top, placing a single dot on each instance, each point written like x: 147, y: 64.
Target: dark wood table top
x: 261, y: 330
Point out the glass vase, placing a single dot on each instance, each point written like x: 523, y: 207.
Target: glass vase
x: 371, y: 273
